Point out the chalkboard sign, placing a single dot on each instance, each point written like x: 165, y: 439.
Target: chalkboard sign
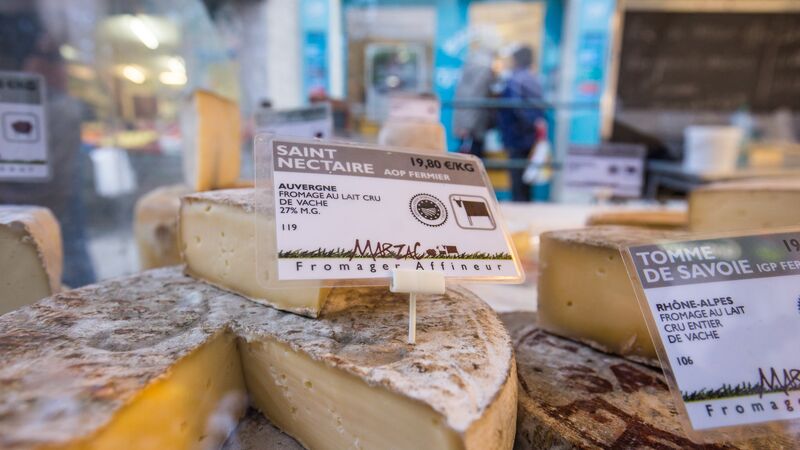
x: 709, y: 61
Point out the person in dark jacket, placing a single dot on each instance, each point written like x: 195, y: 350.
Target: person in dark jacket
x: 517, y: 125
x: 470, y: 124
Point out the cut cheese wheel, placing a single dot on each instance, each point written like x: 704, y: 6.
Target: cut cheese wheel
x: 585, y: 293
x: 648, y: 218
x: 211, y: 128
x: 156, y: 226
x: 30, y: 255
x: 159, y: 360
x: 572, y: 397
x: 745, y: 205
x: 218, y: 241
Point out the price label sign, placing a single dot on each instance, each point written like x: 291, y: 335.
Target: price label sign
x: 315, y: 121
x: 344, y: 211
x: 23, y: 138
x: 725, y: 316
x: 616, y: 167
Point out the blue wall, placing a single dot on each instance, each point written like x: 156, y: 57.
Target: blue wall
x: 591, y: 38
x: 449, y: 55
x: 550, y: 60
x: 314, y: 29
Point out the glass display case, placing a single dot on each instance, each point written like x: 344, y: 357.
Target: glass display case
x: 134, y: 311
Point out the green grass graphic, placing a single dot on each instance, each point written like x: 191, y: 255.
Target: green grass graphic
x: 342, y: 253
x: 729, y: 391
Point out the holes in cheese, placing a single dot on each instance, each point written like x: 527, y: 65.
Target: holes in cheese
x: 585, y: 293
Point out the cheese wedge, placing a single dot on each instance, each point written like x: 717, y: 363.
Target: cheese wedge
x: 30, y: 255
x: 427, y: 136
x: 211, y: 128
x: 159, y: 360
x: 667, y: 219
x: 745, y: 205
x: 155, y: 226
x: 585, y: 293
x: 218, y: 241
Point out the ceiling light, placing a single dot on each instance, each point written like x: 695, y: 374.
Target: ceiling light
x: 392, y: 81
x: 143, y: 31
x: 68, y: 52
x: 134, y: 74
x: 175, y: 64
x: 172, y: 78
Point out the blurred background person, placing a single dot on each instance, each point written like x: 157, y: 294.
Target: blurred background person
x: 470, y: 123
x: 517, y: 124
x: 62, y: 192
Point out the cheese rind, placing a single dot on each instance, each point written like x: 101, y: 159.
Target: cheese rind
x: 156, y: 226
x: 211, y: 127
x: 576, y: 398
x: 31, y: 258
x: 585, y: 292
x: 745, y: 205
x: 218, y: 241
x: 74, y: 363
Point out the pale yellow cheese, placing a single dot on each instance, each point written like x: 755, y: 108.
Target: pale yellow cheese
x: 30, y: 255
x: 155, y: 226
x: 211, y: 128
x: 195, y: 405
x: 218, y: 241
x: 161, y: 361
x: 585, y: 293
x: 745, y: 205
x: 326, y: 409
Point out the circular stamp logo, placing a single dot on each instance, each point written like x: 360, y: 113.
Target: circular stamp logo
x: 428, y: 210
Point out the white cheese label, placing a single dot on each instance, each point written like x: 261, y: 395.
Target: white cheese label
x: 354, y: 212
x: 727, y: 312
x: 23, y: 138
